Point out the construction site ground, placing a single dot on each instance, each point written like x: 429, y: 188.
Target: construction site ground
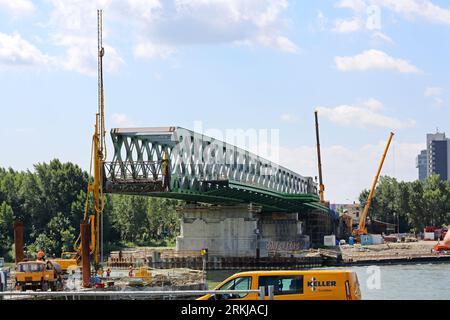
x: 390, y: 251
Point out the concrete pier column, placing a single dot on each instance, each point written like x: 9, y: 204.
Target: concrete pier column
x: 85, y: 254
x: 18, y: 241
x: 223, y: 230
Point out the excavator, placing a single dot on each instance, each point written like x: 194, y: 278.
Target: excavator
x: 95, y: 185
x: 362, y: 229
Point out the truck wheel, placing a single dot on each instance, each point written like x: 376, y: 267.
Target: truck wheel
x: 59, y: 285
x: 44, y: 286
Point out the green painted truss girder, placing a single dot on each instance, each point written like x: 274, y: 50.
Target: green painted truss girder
x: 203, y: 169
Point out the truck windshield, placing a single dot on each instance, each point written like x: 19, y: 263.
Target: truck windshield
x: 31, y: 267
x: 68, y: 256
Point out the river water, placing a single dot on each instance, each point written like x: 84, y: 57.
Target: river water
x: 399, y: 282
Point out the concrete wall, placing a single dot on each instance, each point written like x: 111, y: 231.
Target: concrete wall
x: 235, y: 231
x: 224, y: 231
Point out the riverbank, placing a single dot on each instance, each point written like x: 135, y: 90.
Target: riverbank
x: 391, y: 253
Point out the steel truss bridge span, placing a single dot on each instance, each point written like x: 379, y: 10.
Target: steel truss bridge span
x: 177, y: 163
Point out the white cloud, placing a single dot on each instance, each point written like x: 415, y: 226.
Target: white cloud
x: 435, y: 93
x: 81, y: 55
x: 160, y: 28
x: 73, y: 26
x: 374, y: 60
x: 355, y: 166
x: 178, y: 23
x: 373, y: 104
x: 417, y: 8
x: 363, y: 117
x: 355, y: 5
x: 17, y: 7
x: 349, y: 25
x: 18, y: 52
x: 122, y: 120
x: 381, y: 37
x: 279, y: 42
x: 411, y: 9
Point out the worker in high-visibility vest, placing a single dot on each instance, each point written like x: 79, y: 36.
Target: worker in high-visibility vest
x: 131, y: 272
x: 41, y: 255
x: 165, y: 169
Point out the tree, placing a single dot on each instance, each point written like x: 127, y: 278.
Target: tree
x: 51, y: 199
x: 416, y: 204
x: 6, y: 228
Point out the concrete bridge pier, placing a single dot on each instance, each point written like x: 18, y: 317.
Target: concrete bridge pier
x: 240, y: 231
x: 227, y: 231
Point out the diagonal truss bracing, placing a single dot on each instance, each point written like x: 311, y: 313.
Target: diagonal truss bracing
x: 202, y: 169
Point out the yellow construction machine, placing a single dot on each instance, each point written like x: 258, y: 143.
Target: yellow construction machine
x: 39, y: 275
x: 95, y: 185
x: 362, y: 229
x: 98, y: 157
x: 68, y: 260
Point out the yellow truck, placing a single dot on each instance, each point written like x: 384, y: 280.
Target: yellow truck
x: 292, y: 285
x: 39, y: 275
x: 68, y: 260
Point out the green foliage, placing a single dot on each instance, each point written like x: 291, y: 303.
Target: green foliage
x: 416, y: 204
x: 140, y: 220
x: 6, y: 228
x: 51, y: 202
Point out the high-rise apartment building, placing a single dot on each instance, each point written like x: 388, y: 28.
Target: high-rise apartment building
x: 437, y: 156
x: 421, y: 164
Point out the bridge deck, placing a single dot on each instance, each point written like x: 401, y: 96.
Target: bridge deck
x: 202, y: 169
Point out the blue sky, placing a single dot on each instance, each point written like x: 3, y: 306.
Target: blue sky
x: 368, y: 66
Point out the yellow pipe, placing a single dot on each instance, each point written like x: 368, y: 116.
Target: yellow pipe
x: 92, y: 244
x: 362, y: 223
x: 96, y: 190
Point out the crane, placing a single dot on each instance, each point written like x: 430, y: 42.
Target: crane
x: 98, y: 157
x: 362, y: 229
x: 319, y: 157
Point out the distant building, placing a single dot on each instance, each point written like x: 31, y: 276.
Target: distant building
x: 438, y: 155
x: 421, y: 164
x: 351, y: 210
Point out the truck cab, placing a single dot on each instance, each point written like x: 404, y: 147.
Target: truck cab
x: 38, y: 275
x: 68, y: 260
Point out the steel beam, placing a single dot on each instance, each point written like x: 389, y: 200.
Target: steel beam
x: 199, y: 166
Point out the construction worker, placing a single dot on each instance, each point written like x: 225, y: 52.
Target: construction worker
x: 41, y: 255
x: 165, y: 169
x: 130, y: 272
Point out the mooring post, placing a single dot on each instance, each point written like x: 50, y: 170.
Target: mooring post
x: 18, y: 241
x: 85, y: 254
x: 262, y: 293
x: 271, y: 292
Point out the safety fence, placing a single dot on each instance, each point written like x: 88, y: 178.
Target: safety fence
x: 222, y: 263
x: 148, y: 295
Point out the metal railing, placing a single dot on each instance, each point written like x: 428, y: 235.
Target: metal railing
x: 139, y: 294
